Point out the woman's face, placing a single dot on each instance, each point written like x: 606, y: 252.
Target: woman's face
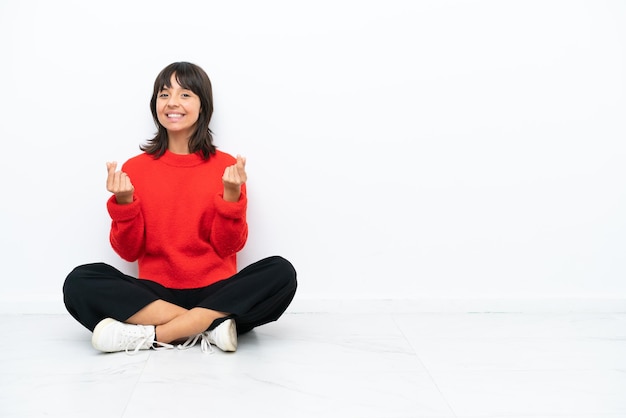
x: 178, y: 109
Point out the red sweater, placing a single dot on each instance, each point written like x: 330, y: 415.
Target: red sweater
x: 179, y: 228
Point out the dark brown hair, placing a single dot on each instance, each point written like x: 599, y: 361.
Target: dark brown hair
x: 190, y: 77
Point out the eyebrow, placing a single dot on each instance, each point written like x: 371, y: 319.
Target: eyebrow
x: 169, y: 88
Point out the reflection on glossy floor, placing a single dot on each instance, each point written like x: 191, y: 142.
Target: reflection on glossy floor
x: 330, y: 365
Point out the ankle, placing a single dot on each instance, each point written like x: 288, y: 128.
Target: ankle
x: 159, y: 334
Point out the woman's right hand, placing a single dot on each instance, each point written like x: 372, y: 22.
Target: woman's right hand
x: 119, y: 184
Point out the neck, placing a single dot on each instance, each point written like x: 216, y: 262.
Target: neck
x: 178, y: 144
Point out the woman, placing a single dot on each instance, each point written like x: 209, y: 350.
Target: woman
x: 179, y: 210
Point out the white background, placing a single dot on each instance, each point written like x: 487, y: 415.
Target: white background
x: 428, y: 151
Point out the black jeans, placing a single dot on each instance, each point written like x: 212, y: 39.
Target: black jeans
x: 258, y: 294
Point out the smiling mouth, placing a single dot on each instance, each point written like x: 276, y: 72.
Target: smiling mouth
x: 174, y: 115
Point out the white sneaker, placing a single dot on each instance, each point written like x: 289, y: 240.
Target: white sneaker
x: 111, y: 336
x: 224, y: 336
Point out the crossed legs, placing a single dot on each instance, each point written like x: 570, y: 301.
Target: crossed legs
x: 256, y: 295
x: 173, y: 322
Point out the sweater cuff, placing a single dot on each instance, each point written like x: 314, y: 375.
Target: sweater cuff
x: 231, y: 210
x: 123, y: 212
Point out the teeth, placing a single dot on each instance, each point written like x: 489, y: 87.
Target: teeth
x: 174, y: 115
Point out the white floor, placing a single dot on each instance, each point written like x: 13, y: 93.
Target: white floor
x: 330, y: 365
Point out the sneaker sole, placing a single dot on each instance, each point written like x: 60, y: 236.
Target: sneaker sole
x: 98, y: 330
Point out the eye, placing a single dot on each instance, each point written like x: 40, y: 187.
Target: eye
x: 186, y: 95
x: 163, y: 95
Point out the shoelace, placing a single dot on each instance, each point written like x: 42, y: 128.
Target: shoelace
x: 143, y: 340
x: 205, y: 344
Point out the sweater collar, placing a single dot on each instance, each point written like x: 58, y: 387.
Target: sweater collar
x: 182, y: 160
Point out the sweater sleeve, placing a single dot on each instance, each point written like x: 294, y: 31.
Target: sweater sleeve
x: 127, y: 234
x: 229, y: 231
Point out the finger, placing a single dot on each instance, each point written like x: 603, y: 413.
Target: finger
x: 240, y: 166
x: 121, y: 179
x: 128, y: 185
x: 123, y: 183
x: 241, y: 171
x: 116, y: 181
x: 230, y: 174
x: 233, y: 176
x: 110, y: 174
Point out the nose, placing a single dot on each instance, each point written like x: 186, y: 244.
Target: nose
x: 172, y: 101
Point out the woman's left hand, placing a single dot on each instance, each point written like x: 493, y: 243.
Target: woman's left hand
x: 234, y: 176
